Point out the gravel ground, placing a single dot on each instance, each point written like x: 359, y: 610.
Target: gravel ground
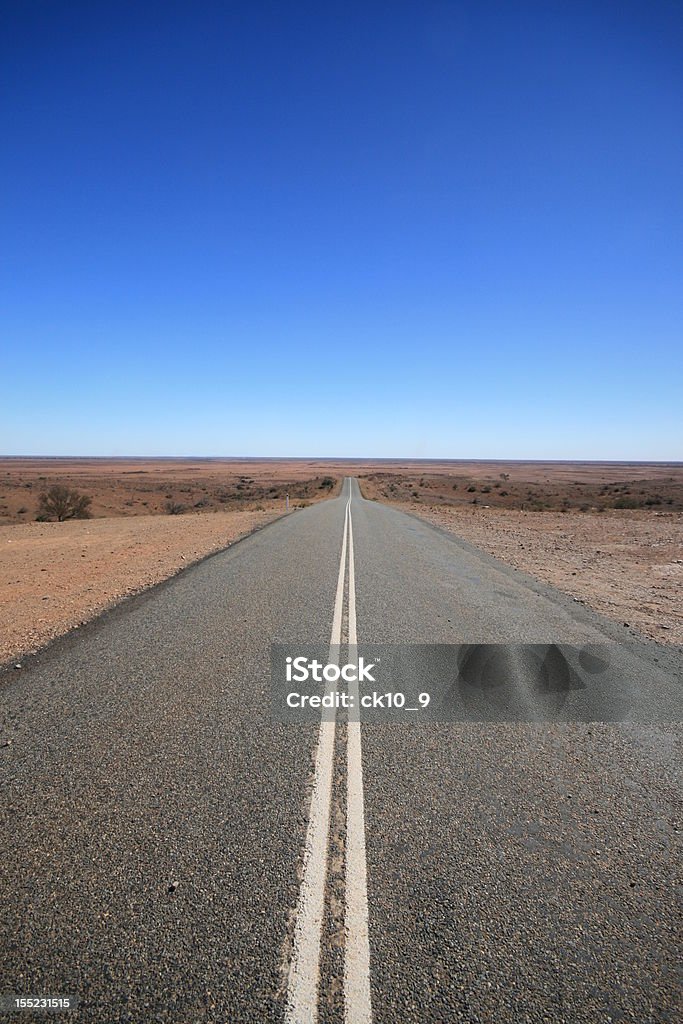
x: 626, y: 565
x: 55, y: 576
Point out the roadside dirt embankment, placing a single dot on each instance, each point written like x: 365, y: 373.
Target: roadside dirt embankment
x: 54, y: 576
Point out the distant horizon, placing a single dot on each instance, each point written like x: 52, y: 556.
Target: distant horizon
x: 353, y: 459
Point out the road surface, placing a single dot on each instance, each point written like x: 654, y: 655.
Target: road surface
x: 171, y: 851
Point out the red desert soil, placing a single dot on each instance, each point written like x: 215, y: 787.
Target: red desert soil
x: 54, y: 576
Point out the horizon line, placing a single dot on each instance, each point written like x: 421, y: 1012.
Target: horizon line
x: 354, y: 458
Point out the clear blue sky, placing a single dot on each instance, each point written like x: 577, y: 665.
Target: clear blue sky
x: 366, y: 229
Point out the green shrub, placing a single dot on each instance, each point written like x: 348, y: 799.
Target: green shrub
x: 60, y: 503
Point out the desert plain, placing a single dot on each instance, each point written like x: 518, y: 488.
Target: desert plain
x: 608, y: 534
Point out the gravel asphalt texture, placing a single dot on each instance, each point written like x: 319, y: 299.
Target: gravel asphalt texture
x: 153, y: 814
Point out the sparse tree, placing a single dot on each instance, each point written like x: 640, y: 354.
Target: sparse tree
x: 60, y: 503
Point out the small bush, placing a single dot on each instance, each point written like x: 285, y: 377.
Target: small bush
x: 174, y: 508
x: 471, y: 489
x: 60, y: 503
x: 627, y: 503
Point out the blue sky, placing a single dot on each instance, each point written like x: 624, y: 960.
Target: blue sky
x: 424, y: 229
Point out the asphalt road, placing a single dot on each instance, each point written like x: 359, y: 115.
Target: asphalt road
x: 172, y: 851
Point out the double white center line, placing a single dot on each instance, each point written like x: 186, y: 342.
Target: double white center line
x: 357, y: 1006
x: 302, y: 993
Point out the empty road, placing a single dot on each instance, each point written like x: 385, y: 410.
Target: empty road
x: 179, y: 843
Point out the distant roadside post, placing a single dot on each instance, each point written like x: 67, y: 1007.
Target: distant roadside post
x: 287, y: 501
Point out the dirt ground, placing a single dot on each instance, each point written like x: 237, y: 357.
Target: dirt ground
x: 55, y: 576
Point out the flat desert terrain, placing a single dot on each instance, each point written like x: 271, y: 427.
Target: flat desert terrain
x: 609, y: 534
x: 141, y: 487
x: 531, y: 486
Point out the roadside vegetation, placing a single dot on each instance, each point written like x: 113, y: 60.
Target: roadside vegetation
x: 61, y: 503
x: 115, y: 492
x: 663, y: 494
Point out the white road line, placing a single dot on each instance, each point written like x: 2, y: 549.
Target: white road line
x: 357, y: 1002
x: 302, y: 990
